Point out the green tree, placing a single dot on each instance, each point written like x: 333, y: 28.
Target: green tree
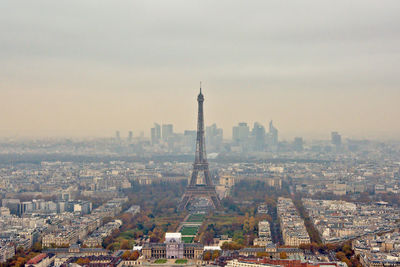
x: 238, y: 237
x: 252, y: 224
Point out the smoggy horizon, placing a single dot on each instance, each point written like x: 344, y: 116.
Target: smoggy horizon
x: 80, y: 69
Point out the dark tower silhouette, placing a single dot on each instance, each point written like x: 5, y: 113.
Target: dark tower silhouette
x: 200, y: 167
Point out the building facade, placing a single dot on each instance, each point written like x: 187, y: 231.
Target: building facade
x: 172, y: 248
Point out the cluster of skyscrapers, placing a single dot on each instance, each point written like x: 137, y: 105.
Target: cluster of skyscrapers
x: 164, y: 134
x: 245, y: 138
x: 257, y: 139
x: 157, y: 135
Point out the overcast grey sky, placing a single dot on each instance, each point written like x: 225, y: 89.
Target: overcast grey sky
x: 88, y: 68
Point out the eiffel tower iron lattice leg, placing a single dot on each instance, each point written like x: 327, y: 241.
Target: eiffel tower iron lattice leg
x: 200, y: 165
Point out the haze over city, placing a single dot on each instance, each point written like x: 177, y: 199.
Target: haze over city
x: 199, y: 133
x: 89, y: 68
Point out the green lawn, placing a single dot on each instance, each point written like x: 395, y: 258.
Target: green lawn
x: 129, y: 234
x: 181, y: 261
x: 188, y: 230
x: 160, y: 261
x: 196, y: 218
x: 187, y: 239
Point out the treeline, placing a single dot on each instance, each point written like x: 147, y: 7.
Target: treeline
x: 343, y: 252
x: 160, y: 198
x: 158, y: 203
x: 242, y: 229
x: 257, y: 191
x: 240, y: 218
x: 211, y: 255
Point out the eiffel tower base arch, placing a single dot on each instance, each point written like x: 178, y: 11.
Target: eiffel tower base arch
x: 200, y: 191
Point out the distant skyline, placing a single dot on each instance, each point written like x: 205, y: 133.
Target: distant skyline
x: 88, y: 68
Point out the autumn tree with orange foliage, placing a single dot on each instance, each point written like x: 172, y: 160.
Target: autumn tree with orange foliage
x: 126, y: 255
x: 207, y: 255
x: 82, y: 261
x: 215, y: 254
x: 125, y: 244
x: 134, y: 255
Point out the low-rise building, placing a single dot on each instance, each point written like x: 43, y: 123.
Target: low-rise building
x: 92, y: 242
x: 41, y: 260
x: 77, y: 251
x: 6, y: 252
x: 294, y: 232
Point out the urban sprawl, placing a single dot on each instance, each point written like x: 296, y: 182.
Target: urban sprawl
x: 114, y: 201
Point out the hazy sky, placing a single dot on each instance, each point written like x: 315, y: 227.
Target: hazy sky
x: 90, y: 67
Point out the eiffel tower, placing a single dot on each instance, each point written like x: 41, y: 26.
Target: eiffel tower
x: 200, y: 167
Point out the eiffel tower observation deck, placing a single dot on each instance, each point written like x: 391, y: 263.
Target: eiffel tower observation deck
x: 195, y: 190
